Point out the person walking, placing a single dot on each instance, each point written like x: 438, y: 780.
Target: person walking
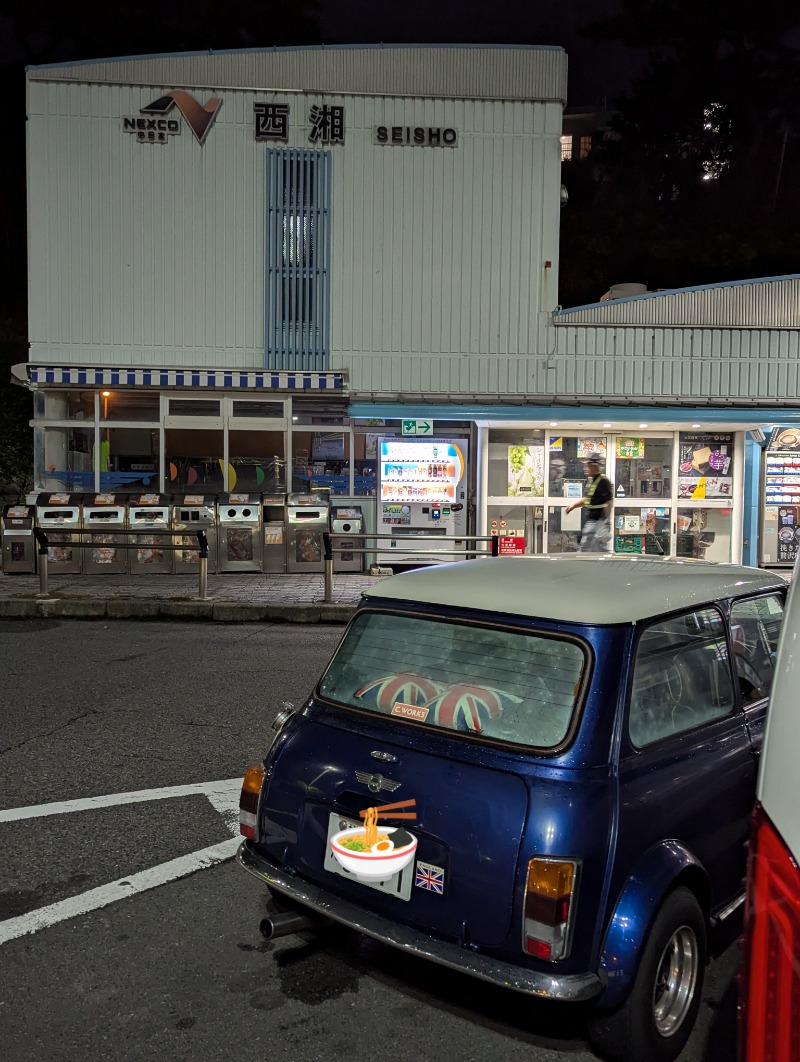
x: 596, y: 504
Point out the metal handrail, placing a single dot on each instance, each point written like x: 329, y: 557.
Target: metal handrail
x: 44, y: 545
x: 330, y: 549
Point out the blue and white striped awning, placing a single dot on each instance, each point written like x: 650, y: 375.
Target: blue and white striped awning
x: 255, y: 380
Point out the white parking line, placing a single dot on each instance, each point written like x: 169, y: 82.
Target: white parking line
x: 121, y: 889
x: 224, y: 788
x: 223, y: 796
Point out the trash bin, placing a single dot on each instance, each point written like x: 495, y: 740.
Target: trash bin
x: 307, y: 520
x: 149, y: 512
x: 192, y: 513
x: 19, y: 545
x: 104, y: 515
x: 59, y: 516
x: 239, y: 532
x: 347, y: 520
x: 274, y: 523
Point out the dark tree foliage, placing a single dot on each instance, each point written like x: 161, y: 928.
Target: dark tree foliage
x: 696, y: 182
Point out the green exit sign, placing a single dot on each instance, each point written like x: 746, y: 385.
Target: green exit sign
x: 417, y: 427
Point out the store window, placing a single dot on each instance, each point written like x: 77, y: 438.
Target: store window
x: 705, y: 468
x: 704, y: 533
x: 129, y: 405
x: 321, y: 459
x: 194, y: 407
x: 563, y: 530
x: 193, y: 459
x: 257, y: 408
x: 64, y: 405
x: 642, y: 530
x: 642, y: 467
x: 567, y: 475
x: 64, y: 459
x: 257, y: 460
x: 516, y: 464
x: 129, y: 459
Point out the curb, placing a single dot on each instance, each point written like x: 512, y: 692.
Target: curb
x: 193, y: 610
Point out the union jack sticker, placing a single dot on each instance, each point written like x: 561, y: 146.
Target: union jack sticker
x: 429, y: 877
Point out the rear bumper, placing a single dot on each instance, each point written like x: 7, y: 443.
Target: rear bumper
x: 570, y: 988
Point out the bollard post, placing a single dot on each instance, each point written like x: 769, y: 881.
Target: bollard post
x: 495, y: 547
x: 41, y: 539
x: 328, y: 596
x: 202, y: 538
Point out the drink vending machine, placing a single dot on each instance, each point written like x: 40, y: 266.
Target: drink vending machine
x: 780, y: 510
x: 422, y: 490
x: 149, y: 512
x: 104, y: 515
x: 59, y: 516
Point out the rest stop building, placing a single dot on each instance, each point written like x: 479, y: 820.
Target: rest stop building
x: 247, y: 268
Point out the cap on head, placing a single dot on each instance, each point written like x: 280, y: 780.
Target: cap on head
x: 592, y: 459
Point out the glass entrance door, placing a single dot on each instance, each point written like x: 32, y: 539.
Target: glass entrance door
x: 566, y: 483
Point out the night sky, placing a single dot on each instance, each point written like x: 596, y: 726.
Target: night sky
x: 596, y: 71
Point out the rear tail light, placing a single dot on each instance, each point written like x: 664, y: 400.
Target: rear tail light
x: 549, y: 906
x: 770, y: 1014
x: 248, y: 802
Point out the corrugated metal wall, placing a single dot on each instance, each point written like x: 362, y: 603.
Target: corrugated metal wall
x: 138, y: 253
x: 619, y: 365
x: 441, y: 250
x: 479, y: 72
x: 768, y: 303
x: 154, y: 254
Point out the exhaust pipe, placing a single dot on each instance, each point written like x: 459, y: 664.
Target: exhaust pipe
x: 281, y: 925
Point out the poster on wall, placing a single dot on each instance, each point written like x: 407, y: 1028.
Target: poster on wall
x: 327, y: 446
x: 705, y: 465
x: 630, y: 449
x: 784, y: 439
x: 788, y: 531
x: 526, y: 471
x: 591, y: 445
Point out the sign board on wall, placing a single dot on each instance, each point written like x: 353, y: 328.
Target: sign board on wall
x: 417, y: 427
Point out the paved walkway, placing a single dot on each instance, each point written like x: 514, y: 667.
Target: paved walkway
x: 232, y: 598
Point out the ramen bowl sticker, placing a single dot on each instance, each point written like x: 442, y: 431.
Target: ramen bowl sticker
x: 410, y: 711
x: 372, y: 852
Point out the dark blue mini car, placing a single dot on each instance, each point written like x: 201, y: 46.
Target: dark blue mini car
x: 535, y: 770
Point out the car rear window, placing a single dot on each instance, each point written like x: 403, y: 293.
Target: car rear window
x: 511, y: 686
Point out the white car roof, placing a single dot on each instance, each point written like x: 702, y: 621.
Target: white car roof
x: 779, y: 777
x: 575, y: 588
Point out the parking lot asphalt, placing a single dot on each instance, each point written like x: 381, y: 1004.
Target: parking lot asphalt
x: 250, y: 597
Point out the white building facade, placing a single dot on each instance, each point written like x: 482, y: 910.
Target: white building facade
x: 245, y: 268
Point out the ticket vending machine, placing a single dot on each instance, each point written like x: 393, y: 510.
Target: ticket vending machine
x: 239, y: 534
x: 104, y: 515
x: 422, y: 491
x: 19, y: 545
x: 59, y: 516
x: 192, y: 513
x: 149, y: 513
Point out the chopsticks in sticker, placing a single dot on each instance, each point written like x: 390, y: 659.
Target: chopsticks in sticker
x: 389, y: 810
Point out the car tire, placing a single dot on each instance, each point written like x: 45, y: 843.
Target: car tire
x: 656, y: 1020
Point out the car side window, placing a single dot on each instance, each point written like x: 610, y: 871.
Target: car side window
x: 681, y: 676
x: 755, y: 627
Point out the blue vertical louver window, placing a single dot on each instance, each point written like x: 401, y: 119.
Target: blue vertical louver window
x: 297, y: 322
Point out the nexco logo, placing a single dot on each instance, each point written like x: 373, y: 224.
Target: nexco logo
x: 156, y: 129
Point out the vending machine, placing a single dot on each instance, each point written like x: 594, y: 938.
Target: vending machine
x: 780, y: 513
x: 422, y: 490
